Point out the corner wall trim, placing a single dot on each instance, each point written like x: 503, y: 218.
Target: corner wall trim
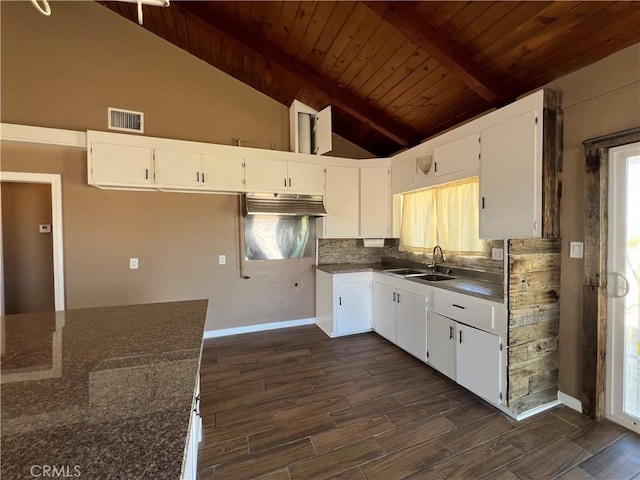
x: 570, y: 401
x: 534, y: 411
x: 224, y: 332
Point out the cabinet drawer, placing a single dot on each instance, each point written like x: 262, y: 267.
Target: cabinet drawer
x: 464, y: 309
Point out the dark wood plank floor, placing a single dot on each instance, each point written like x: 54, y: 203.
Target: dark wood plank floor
x: 294, y: 404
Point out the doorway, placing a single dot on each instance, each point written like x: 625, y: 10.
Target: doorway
x: 31, y: 273
x: 623, y: 280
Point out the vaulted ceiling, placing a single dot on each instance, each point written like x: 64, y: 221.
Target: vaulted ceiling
x: 394, y: 72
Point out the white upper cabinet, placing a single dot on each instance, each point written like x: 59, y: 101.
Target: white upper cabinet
x: 178, y: 169
x: 193, y: 171
x: 120, y: 165
x: 375, y: 202
x: 309, y: 130
x: 265, y: 175
x: 511, y: 179
x: 305, y: 178
x: 281, y: 176
x: 457, y: 156
x: 403, y: 175
x: 223, y: 173
x: 342, y: 204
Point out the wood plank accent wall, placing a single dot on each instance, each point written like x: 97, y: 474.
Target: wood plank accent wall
x: 552, y: 164
x: 534, y: 322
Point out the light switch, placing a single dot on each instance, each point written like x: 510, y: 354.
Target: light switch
x: 497, y: 254
x: 133, y: 263
x: 222, y: 259
x: 576, y: 249
x: 44, y: 228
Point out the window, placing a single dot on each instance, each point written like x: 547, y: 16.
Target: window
x: 446, y: 215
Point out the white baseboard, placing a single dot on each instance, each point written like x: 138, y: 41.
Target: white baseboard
x: 224, y: 332
x: 537, y: 410
x: 570, y: 401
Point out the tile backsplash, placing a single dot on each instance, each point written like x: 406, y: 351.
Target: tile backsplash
x: 352, y: 250
x: 347, y: 250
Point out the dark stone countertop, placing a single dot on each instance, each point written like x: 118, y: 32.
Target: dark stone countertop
x: 102, y: 393
x: 468, y: 286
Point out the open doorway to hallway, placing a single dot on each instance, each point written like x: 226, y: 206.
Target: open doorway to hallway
x: 31, y: 256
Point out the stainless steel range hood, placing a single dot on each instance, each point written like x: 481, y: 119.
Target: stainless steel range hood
x: 283, y: 204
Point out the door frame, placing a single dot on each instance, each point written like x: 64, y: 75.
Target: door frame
x: 594, y: 298
x: 55, y: 180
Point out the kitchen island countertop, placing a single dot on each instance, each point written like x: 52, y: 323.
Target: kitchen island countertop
x: 99, y: 392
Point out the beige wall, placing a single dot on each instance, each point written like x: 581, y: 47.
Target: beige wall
x: 27, y: 253
x: 600, y: 99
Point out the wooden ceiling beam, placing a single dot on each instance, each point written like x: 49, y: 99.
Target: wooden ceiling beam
x: 342, y: 99
x: 426, y: 38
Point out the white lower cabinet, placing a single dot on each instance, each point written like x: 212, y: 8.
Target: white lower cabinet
x: 441, y: 344
x: 478, y: 362
x: 400, y: 316
x: 343, y: 302
x: 384, y: 311
x: 412, y: 323
x: 190, y: 460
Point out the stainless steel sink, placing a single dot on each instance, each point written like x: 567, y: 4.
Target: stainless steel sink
x: 404, y: 271
x: 432, y: 277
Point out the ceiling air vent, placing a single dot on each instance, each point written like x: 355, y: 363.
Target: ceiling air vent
x: 126, y: 120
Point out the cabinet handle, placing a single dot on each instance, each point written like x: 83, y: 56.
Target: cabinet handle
x: 198, y: 177
x: 340, y: 300
x: 394, y: 296
x: 202, y: 177
x: 457, y: 306
x: 482, y: 203
x: 398, y: 298
x: 435, y: 165
x: 146, y: 174
x: 289, y: 181
x: 460, y: 336
x: 450, y: 333
x: 285, y: 182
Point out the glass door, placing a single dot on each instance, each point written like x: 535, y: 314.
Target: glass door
x: 623, y: 323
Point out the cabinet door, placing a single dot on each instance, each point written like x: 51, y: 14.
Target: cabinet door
x: 353, y: 308
x: 441, y: 344
x: 305, y: 178
x: 343, y: 215
x: 223, y: 173
x: 456, y: 156
x: 323, y: 137
x: 121, y: 165
x: 412, y: 323
x: 375, y: 202
x: 265, y: 175
x: 511, y: 179
x: 384, y: 311
x: 178, y: 169
x: 478, y: 362
x: 403, y: 175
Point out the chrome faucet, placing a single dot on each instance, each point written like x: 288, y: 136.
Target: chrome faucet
x: 434, y: 258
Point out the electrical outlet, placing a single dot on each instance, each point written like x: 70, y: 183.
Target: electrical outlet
x: 133, y: 263
x: 222, y: 259
x: 497, y: 254
x: 44, y: 228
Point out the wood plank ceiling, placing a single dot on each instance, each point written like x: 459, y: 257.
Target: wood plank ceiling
x: 395, y: 72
